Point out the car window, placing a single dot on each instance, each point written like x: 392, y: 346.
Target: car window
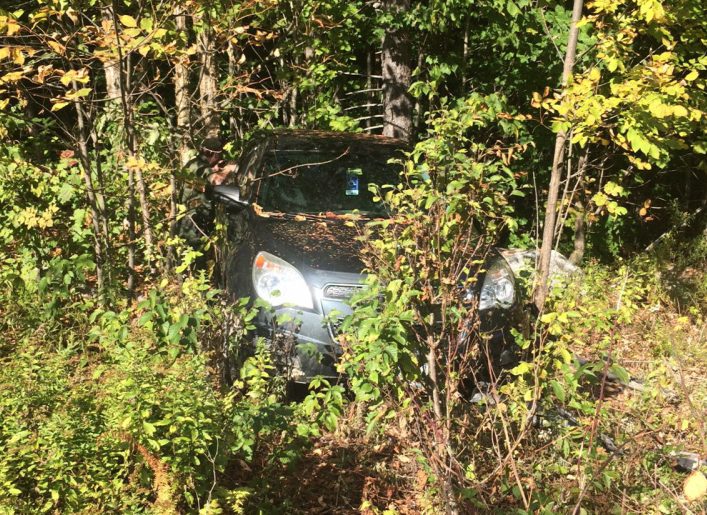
x: 313, y: 182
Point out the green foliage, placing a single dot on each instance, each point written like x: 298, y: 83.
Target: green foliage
x: 455, y: 189
x: 640, y: 108
x: 133, y: 417
x: 152, y: 396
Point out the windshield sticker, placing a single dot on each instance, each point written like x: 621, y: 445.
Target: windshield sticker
x: 352, y: 182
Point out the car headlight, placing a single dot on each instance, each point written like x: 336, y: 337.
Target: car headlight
x: 498, y: 290
x: 278, y: 282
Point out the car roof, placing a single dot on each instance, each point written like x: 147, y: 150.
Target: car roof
x: 295, y: 139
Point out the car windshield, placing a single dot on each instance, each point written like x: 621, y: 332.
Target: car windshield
x: 312, y: 182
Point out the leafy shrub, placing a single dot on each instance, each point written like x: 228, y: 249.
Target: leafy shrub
x: 136, y: 416
x: 413, y: 342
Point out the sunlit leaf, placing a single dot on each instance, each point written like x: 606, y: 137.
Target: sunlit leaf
x: 128, y: 21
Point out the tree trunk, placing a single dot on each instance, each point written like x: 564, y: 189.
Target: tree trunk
x: 233, y: 65
x: 181, y: 89
x: 111, y: 67
x: 543, y: 274
x: 98, y: 244
x: 579, y: 236
x: 183, y: 108
x: 292, y: 108
x: 135, y: 176
x: 397, y: 73
x: 207, y: 81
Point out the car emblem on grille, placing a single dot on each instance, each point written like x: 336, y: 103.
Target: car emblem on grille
x: 341, y: 291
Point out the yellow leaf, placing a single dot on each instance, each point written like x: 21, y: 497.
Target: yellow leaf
x: 600, y: 199
x: 12, y: 77
x: 679, y: 111
x: 82, y: 76
x: 613, y: 189
x: 4, y: 52
x: 78, y: 94
x: 43, y: 72
x: 612, y: 63
x: 695, y: 486
x: 59, y: 105
x: 658, y: 109
x: 134, y: 162
x: 19, y: 57
x: 537, y: 99
x: 68, y: 77
x: 594, y: 75
x: 132, y: 33
x: 144, y: 50
x: 12, y: 27
x: 692, y: 75
x: 128, y: 21
x: 56, y: 47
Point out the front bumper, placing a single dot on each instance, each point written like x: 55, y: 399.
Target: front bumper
x: 301, y: 343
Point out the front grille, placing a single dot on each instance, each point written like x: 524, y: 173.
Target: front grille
x: 341, y: 291
x: 334, y: 297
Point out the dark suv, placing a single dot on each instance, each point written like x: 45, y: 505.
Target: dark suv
x: 290, y: 240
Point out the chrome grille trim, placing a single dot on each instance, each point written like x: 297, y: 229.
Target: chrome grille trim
x: 341, y: 291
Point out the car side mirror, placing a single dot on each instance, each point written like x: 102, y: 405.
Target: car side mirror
x: 228, y: 195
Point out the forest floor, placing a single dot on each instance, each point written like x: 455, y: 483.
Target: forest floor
x: 664, y: 350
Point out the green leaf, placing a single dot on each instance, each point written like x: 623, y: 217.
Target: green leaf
x: 148, y: 428
x: 558, y: 389
x: 18, y: 436
x: 548, y: 318
x: 620, y: 372
x: 146, y: 24
x: 512, y: 8
x: 66, y: 192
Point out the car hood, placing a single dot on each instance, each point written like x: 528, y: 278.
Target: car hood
x: 320, y: 244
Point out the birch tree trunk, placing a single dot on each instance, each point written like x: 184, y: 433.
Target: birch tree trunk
x: 397, y: 74
x: 208, y: 86
x: 111, y: 67
x: 183, y: 108
x: 181, y: 89
x: 543, y: 273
